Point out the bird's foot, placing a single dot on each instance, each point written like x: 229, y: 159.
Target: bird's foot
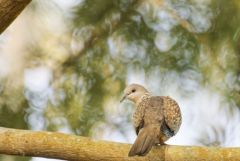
x: 159, y: 144
x: 164, y: 144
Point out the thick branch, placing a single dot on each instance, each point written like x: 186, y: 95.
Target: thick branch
x: 9, y: 10
x: 70, y: 147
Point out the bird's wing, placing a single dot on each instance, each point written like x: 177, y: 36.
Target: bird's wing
x: 172, y: 116
x: 138, y: 128
x: 148, y: 120
x: 138, y: 118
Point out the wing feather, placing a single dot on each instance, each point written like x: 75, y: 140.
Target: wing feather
x: 172, y: 114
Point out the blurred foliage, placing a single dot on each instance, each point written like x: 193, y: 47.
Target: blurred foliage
x: 13, y: 158
x: 111, y: 38
x: 12, y: 117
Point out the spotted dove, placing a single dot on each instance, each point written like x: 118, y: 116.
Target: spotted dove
x: 156, y: 118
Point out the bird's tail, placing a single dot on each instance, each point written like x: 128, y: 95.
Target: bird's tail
x: 147, y: 137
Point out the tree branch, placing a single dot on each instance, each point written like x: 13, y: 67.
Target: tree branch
x: 9, y: 10
x: 70, y: 147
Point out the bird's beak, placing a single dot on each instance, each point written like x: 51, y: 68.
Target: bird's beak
x: 123, y: 98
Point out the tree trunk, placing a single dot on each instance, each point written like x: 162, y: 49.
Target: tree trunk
x: 70, y: 147
x: 9, y: 10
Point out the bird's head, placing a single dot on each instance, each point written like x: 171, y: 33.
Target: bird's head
x: 134, y: 92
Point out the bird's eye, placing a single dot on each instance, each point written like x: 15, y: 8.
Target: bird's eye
x: 133, y: 90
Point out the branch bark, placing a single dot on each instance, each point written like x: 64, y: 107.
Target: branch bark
x: 9, y: 10
x: 71, y: 147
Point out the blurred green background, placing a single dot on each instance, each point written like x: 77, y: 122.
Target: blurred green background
x: 64, y: 65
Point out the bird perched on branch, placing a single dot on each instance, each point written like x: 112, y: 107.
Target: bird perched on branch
x: 156, y: 118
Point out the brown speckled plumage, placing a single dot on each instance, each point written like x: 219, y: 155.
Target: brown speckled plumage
x: 172, y: 113
x: 156, y: 119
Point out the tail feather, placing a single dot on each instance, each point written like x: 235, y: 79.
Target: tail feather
x: 144, y: 142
